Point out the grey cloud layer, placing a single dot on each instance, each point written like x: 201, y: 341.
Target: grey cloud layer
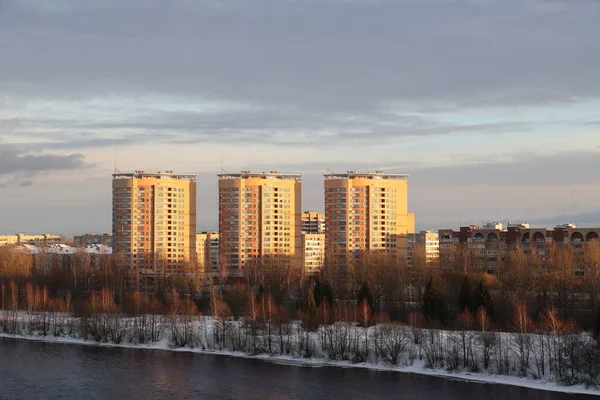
x: 316, y: 55
x: 315, y: 72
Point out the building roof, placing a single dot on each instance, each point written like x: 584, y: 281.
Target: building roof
x: 61, y: 249
x: 366, y: 175
x: 261, y: 175
x: 97, y: 249
x: 27, y: 248
x: 157, y: 175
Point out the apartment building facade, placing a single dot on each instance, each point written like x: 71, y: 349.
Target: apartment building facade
x: 423, y: 247
x: 88, y: 239
x: 313, y: 222
x: 259, y: 214
x: 154, y: 220
x: 207, y: 251
x: 313, y: 246
x: 488, y: 246
x: 65, y: 257
x: 8, y: 240
x: 43, y: 240
x: 366, y: 212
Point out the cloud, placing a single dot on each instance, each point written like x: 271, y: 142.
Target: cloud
x: 266, y: 126
x: 18, y: 167
x: 316, y: 55
x: 302, y: 72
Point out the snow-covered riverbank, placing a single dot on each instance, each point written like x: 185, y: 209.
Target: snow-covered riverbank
x: 417, y: 366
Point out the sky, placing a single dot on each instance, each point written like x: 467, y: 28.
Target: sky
x: 491, y: 106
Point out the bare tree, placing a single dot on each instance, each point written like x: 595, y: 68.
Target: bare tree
x: 487, y: 338
x: 522, y: 338
x: 365, y: 314
x: 465, y: 325
x: 393, y: 340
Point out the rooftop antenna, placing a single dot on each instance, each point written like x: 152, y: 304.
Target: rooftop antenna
x: 223, y: 169
x: 116, y: 171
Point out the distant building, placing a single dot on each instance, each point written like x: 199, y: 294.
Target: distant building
x: 259, y: 215
x: 8, y: 239
x: 423, y: 246
x: 313, y: 222
x: 154, y: 220
x: 105, y: 239
x: 207, y: 251
x: 488, y: 246
x: 366, y: 212
x: 65, y: 257
x: 42, y: 240
x: 313, y: 245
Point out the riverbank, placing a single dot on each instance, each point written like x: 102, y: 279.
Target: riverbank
x: 418, y: 366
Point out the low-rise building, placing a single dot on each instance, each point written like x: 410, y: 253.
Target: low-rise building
x: 62, y: 256
x: 487, y: 247
x: 42, y: 240
x: 8, y: 240
x: 87, y: 239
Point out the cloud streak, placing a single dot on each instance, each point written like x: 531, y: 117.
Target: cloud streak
x: 326, y: 55
x: 268, y: 127
x: 18, y: 167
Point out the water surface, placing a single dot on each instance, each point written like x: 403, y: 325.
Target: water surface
x: 41, y: 370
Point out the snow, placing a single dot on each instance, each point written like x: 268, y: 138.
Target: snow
x: 60, y: 249
x: 27, y: 249
x: 64, y: 249
x: 97, y: 249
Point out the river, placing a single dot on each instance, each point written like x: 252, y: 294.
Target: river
x: 40, y: 370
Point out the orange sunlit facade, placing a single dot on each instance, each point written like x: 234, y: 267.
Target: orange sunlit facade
x: 313, y: 222
x: 207, y: 251
x: 366, y: 212
x: 154, y: 220
x: 259, y: 214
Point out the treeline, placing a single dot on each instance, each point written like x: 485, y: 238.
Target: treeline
x: 439, y: 295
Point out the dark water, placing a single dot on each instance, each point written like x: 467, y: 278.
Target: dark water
x: 36, y: 370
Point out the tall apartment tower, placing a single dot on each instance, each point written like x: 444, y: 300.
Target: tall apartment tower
x: 154, y: 220
x: 366, y: 212
x: 259, y: 214
x: 313, y: 222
